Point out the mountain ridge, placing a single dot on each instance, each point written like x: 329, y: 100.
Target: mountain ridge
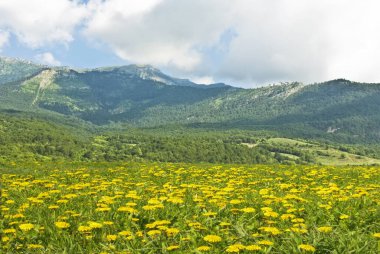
x: 144, y: 97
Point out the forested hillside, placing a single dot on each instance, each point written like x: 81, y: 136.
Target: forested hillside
x: 139, y: 113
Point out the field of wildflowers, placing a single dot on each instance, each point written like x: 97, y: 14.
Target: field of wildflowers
x: 190, y: 208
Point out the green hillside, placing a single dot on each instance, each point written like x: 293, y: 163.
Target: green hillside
x: 137, y: 112
x: 142, y: 96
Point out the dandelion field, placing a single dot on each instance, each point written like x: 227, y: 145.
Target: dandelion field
x: 190, y: 208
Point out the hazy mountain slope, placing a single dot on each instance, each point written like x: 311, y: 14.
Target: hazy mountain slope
x: 15, y: 69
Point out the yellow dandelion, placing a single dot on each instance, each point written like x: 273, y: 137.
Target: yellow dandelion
x: 203, y: 248
x: 84, y: 228
x: 271, y: 214
x: 306, y: 247
x: 5, y: 239
x: 265, y: 242
x: 172, y: 247
x: 212, y: 238
x: 325, y: 229
x: 248, y: 210
x: 93, y: 224
x: 162, y: 222
x: 149, y: 207
x: 9, y: 231
x: 154, y: 232
x: 298, y: 230
x: 102, y: 209
x: 298, y: 220
x: 18, y: 215
x: 253, y: 247
x: 344, y: 216
x: 26, y: 227
x: 175, y: 200
x: 62, y: 224
x: 172, y: 231
x: 111, y: 238
x: 236, y: 202
x: 125, y: 233
x: 287, y: 216
x: 35, y: 246
x: 271, y: 230
x: 235, y: 248
x: 376, y: 235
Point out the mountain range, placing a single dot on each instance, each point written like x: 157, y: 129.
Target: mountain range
x: 143, y: 97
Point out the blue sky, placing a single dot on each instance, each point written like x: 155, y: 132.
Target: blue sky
x: 242, y: 42
x: 79, y: 53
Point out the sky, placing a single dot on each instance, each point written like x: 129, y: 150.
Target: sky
x: 247, y: 43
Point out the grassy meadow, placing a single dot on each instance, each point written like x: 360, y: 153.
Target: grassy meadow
x: 189, y: 208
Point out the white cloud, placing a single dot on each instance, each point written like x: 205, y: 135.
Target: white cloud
x: 47, y: 58
x: 162, y: 33
x: 206, y: 80
x: 4, y: 37
x: 304, y: 40
x: 282, y: 40
x: 275, y: 40
x: 38, y: 23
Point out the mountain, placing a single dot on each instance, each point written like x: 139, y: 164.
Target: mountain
x: 142, y: 96
x: 12, y: 69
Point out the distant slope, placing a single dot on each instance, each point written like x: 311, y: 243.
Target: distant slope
x: 15, y: 69
x: 321, y: 154
x: 26, y: 137
x: 142, y: 96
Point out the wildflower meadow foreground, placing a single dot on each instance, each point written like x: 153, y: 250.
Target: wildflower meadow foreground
x: 185, y: 208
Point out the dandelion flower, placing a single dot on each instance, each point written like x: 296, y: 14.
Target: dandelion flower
x: 172, y: 247
x: 253, y: 247
x: 26, y: 227
x: 35, y: 246
x: 271, y: 230
x: 154, y: 232
x: 325, y: 229
x: 125, y: 233
x: 93, y: 224
x: 172, y: 231
x: 5, y: 239
x: 266, y: 242
x: 235, y: 248
x: 306, y: 247
x: 62, y: 224
x: 203, y: 248
x: 9, y: 231
x: 212, y: 238
x: 111, y: 238
x: 84, y: 228
x: 248, y: 210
